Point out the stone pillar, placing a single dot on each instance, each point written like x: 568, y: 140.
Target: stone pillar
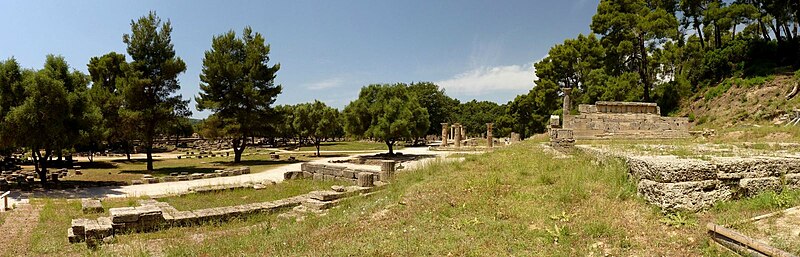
x: 489, y: 139
x: 452, y: 132
x: 387, y: 171
x: 463, y: 132
x: 445, y: 129
x: 457, y: 135
x: 567, y: 104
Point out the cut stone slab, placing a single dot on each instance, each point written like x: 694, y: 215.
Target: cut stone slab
x: 691, y: 196
x: 671, y: 168
x: 753, y: 186
x: 364, y: 179
x: 91, y: 206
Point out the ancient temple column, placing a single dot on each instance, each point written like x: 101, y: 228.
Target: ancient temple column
x: 567, y: 103
x: 463, y: 132
x: 457, y: 135
x: 489, y: 139
x: 445, y: 129
x: 453, y: 131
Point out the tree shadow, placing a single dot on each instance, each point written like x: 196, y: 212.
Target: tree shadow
x: 97, y: 165
x: 255, y: 162
x: 165, y: 171
x: 134, y: 161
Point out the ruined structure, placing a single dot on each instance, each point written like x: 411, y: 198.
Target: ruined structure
x: 445, y: 134
x: 624, y: 120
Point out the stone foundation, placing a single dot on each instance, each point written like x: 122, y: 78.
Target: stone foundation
x: 624, y: 120
x: 674, y: 183
x: 152, y: 215
x: 333, y: 172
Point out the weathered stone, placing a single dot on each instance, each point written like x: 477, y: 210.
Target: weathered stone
x: 315, y: 204
x: 91, y: 206
x: 136, y: 182
x: 691, y: 196
x: 292, y: 175
x: 387, y: 171
x: 79, y: 226
x: 670, y: 169
x: 123, y: 214
x: 258, y: 186
x: 338, y: 188
x: 753, y: 186
x: 364, y: 179
x: 72, y: 238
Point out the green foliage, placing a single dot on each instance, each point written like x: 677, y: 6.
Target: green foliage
x: 239, y: 86
x: 474, y: 115
x: 388, y: 113
x: 149, y: 90
x: 679, y: 219
x: 317, y: 122
x: 440, y: 106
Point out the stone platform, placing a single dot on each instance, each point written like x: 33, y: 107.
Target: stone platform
x: 624, y: 120
x: 695, y: 183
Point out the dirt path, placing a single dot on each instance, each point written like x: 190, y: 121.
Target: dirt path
x: 17, y: 229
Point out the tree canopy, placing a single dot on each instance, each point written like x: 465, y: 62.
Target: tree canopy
x: 387, y: 113
x: 238, y: 85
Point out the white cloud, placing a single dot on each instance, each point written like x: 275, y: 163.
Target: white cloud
x: 517, y: 78
x: 325, y: 84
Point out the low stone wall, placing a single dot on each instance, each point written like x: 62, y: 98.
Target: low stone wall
x: 674, y: 183
x: 152, y: 215
x: 185, y: 176
x: 332, y: 172
x: 626, y: 125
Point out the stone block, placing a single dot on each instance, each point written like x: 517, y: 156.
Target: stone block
x: 315, y: 204
x: 308, y: 175
x: 364, y: 179
x: 79, y: 226
x: 327, y: 177
x: 136, y: 182
x: 197, y: 175
x: 183, y: 178
x: 326, y: 195
x: 753, y: 186
x: 690, y: 196
x: 292, y: 175
x: 318, y: 176
x: 348, y: 173
x: 245, y: 170
x: 124, y: 214
x: 91, y: 206
x: 169, y: 179
x: 150, y: 180
x: 72, y: 238
x: 670, y: 169
x: 793, y: 181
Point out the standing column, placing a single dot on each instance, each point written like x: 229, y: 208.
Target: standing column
x: 489, y: 139
x: 445, y: 129
x: 457, y: 135
x: 567, y: 103
x: 453, y: 131
x: 463, y: 132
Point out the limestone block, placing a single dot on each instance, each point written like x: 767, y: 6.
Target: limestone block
x: 308, y: 175
x: 364, y: 179
x: 79, y: 226
x: 123, y: 214
x: 91, y: 206
x: 315, y: 204
x: 245, y: 170
x: 793, y: 181
x: 670, y: 168
x: 292, y: 175
x: 753, y: 186
x: 326, y: 195
x: 318, y: 176
x: 750, y: 167
x: 327, y: 177
x: 690, y: 196
x: 72, y: 238
x: 169, y: 179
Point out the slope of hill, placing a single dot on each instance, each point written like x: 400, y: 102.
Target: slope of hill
x: 738, y: 102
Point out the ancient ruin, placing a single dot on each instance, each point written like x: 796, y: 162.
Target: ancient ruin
x: 624, y: 120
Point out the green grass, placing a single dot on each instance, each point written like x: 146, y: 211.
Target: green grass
x: 351, y: 146
x: 515, y: 200
x: 245, y: 196
x: 125, y: 171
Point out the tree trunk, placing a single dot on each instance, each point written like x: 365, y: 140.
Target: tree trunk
x: 316, y: 144
x: 643, y: 69
x: 699, y: 33
x: 717, y: 36
x: 389, y: 144
x: 91, y: 156
x: 42, y: 172
x: 764, y: 31
x: 149, y: 149
x: 239, y: 145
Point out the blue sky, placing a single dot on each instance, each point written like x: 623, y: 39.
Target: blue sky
x: 328, y: 50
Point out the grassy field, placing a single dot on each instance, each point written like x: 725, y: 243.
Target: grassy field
x: 245, y: 196
x: 49, y: 236
x: 514, y: 201
x: 124, y: 170
x: 351, y: 146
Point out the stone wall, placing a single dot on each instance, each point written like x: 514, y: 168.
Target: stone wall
x: 675, y: 183
x: 624, y: 120
x: 333, y: 172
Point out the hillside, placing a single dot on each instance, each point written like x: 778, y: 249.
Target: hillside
x: 743, y: 102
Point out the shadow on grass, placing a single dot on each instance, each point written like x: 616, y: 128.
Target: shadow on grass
x: 167, y: 170
x: 97, y: 165
x: 134, y: 161
x: 255, y: 162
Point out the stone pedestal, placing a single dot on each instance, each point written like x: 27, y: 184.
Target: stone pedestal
x: 489, y: 139
x: 387, y: 171
x: 445, y: 129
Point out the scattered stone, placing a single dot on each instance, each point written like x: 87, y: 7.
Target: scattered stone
x: 338, y: 188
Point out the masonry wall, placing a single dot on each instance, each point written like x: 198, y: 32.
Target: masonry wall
x: 624, y: 120
x: 333, y: 172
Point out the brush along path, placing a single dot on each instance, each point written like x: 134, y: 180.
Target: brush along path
x: 17, y: 230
